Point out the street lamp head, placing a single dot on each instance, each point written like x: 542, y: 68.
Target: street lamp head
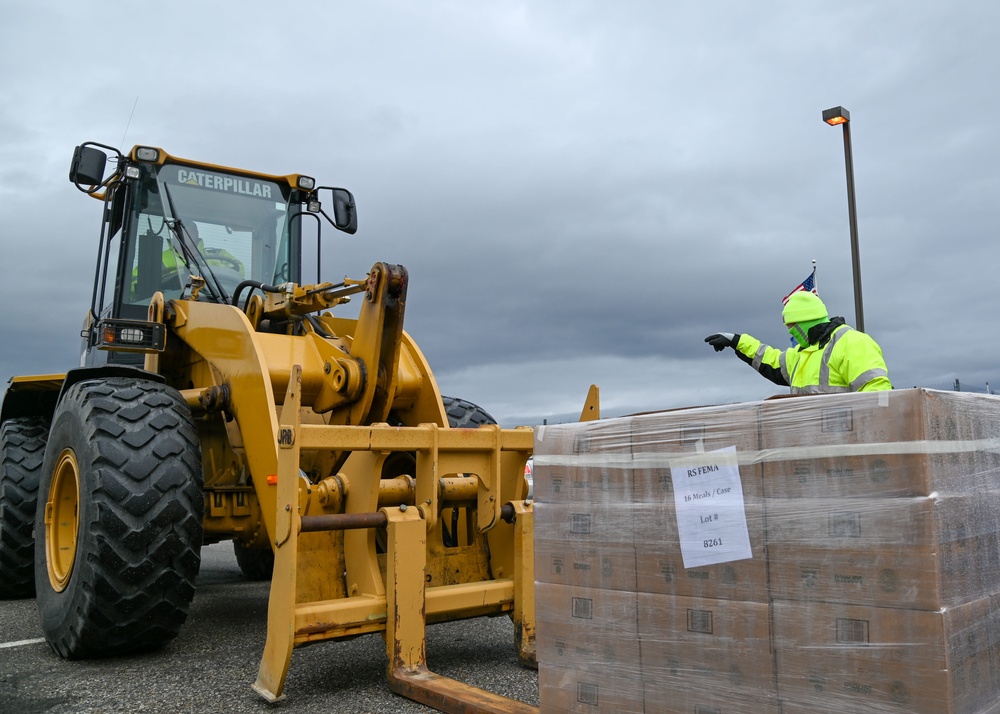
x: 836, y: 115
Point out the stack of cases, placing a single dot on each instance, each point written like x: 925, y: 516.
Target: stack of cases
x: 623, y: 626
x: 882, y: 542
x: 585, y: 576
x: 873, y: 582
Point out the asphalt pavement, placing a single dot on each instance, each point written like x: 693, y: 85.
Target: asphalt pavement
x: 209, y: 667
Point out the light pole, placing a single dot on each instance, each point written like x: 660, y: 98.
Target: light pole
x: 833, y: 117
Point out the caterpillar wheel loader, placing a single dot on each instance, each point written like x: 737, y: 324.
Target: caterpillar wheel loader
x: 219, y: 398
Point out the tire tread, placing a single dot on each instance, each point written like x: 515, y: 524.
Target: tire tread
x: 144, y: 530
x: 22, y: 449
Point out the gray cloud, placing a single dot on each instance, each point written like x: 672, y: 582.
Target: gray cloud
x: 580, y: 192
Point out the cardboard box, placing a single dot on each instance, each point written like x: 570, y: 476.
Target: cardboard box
x: 602, y: 483
x: 663, y: 440
x: 588, y: 650
x: 660, y: 563
x: 913, y: 552
x: 878, y: 473
x: 706, y: 644
x: 605, y: 436
x: 911, y: 442
x: 609, y: 566
x: 656, y: 524
x: 660, y: 569
x: 586, y: 524
x: 587, y: 462
x: 877, y: 523
x: 730, y: 699
x: 819, y: 701
x: 834, y: 657
x: 914, y: 577
x: 568, y: 645
x: 608, y: 689
x: 588, y: 610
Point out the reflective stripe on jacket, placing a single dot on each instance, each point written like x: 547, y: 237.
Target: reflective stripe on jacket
x: 850, y: 361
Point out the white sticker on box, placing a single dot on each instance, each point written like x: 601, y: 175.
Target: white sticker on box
x: 711, y: 518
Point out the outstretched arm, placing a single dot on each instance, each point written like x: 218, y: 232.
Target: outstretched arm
x: 768, y: 361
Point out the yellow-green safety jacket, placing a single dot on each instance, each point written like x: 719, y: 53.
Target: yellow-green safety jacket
x: 845, y: 360
x: 213, y: 256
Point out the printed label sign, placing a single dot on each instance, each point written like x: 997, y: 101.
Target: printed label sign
x: 711, y: 519
x: 219, y: 182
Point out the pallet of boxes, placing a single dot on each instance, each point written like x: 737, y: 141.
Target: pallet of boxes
x: 836, y: 553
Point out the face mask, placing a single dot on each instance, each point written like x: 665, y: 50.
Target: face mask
x: 798, y: 335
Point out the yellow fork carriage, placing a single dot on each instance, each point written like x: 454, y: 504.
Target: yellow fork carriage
x: 464, y: 476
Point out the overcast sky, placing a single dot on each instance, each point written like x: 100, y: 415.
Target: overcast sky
x: 581, y: 191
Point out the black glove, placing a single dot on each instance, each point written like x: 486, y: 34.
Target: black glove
x: 722, y: 340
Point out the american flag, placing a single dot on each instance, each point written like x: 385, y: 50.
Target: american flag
x: 809, y: 284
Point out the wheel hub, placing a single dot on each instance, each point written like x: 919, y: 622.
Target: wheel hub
x: 62, y: 516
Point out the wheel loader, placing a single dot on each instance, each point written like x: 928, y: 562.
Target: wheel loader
x: 220, y: 398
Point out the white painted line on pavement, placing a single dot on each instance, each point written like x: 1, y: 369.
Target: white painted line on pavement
x: 5, y: 645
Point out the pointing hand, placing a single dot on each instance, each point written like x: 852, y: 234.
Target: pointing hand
x: 722, y: 340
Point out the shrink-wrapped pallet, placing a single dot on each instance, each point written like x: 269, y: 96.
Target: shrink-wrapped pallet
x: 822, y: 553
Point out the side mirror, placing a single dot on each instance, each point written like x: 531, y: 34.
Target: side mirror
x: 345, y: 213
x: 87, y: 168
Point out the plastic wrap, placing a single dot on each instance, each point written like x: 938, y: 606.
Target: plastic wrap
x: 808, y: 554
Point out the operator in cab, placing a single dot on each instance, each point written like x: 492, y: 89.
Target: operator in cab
x: 172, y: 270
x: 215, y: 257
x: 828, y: 357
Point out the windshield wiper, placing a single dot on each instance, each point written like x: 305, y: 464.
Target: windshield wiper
x: 193, y: 258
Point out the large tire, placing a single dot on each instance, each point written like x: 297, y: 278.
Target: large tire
x: 119, y: 522
x: 465, y: 415
x: 256, y: 563
x: 22, y: 446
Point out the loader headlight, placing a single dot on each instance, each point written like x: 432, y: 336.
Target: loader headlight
x: 131, y: 336
x: 306, y: 183
x: 147, y: 153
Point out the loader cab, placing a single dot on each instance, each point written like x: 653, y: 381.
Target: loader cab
x: 167, y: 220
x: 183, y: 221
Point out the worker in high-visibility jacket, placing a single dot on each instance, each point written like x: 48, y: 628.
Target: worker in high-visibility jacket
x: 829, y: 356
x: 229, y: 269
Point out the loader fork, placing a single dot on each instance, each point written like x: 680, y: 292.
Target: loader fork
x: 405, y: 631
x: 402, y: 609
